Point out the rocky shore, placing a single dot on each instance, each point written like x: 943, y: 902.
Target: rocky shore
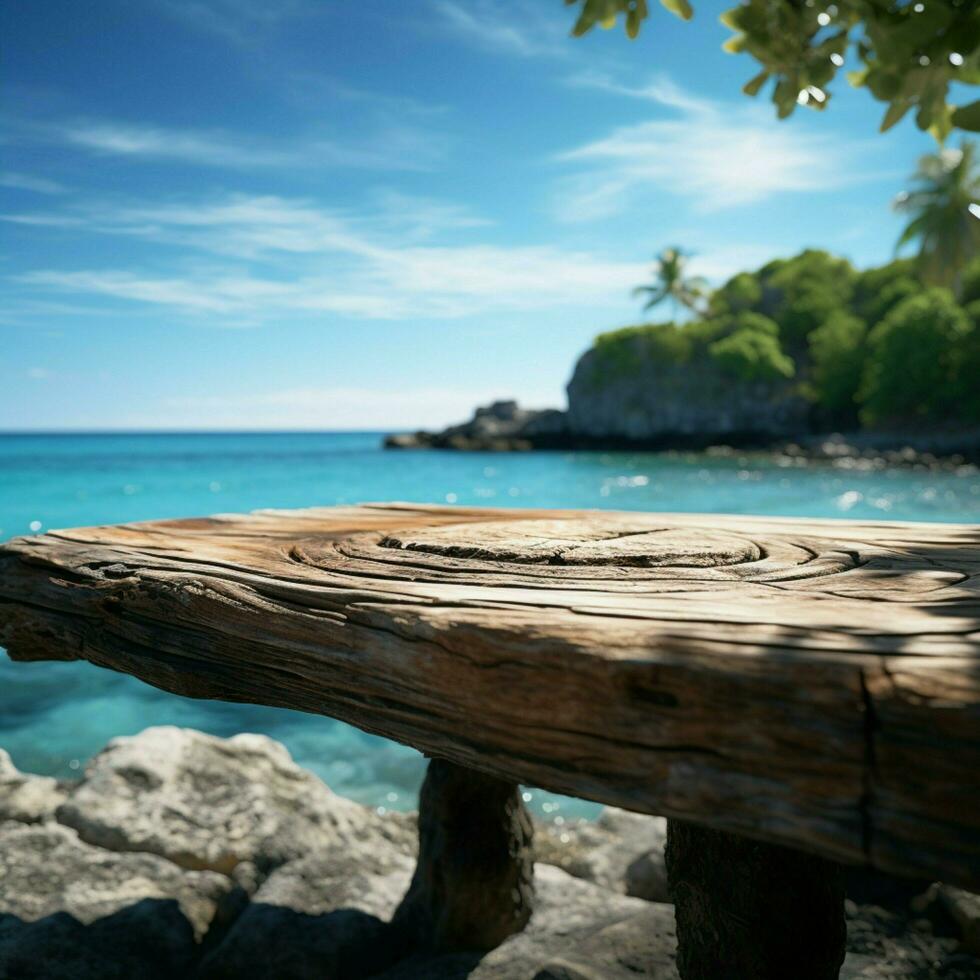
x: 504, y: 426
x: 181, y: 855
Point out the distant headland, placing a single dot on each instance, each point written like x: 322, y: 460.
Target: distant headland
x: 774, y: 358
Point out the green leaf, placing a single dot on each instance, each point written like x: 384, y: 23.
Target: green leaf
x: 730, y: 19
x: 895, y: 112
x: 942, y: 124
x: 752, y: 86
x: 784, y: 95
x: 681, y: 8
x: 967, y: 117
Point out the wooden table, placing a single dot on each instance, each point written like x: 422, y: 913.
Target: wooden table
x: 790, y: 693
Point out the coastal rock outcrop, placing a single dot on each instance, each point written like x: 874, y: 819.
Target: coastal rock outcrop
x: 632, y: 394
x: 71, y: 911
x: 211, y: 803
x: 568, y: 912
x: 27, y: 798
x: 500, y: 426
x: 325, y: 915
x: 621, y: 851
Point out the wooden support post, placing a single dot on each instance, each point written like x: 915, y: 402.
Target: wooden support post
x: 752, y: 911
x: 473, y: 885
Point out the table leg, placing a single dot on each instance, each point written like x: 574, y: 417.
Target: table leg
x: 752, y: 911
x: 473, y: 885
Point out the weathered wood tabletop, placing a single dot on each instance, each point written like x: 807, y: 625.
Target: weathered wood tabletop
x: 810, y: 683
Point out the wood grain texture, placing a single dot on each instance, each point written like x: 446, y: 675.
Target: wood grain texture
x: 810, y: 683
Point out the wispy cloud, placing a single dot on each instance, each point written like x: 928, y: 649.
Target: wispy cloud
x: 157, y: 143
x: 28, y: 182
x: 661, y: 89
x: 241, y: 21
x: 717, y: 154
x: 313, y: 260
x: 305, y: 86
x: 422, y: 217
x: 394, y: 147
x: 521, y: 29
x: 45, y: 220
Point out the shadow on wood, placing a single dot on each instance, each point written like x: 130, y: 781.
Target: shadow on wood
x: 752, y: 910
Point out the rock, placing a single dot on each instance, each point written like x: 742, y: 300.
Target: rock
x: 622, y: 851
x: 318, y: 917
x: 406, y: 440
x: 884, y: 944
x: 71, y: 911
x: 641, y: 946
x: 211, y: 803
x: 500, y: 426
x: 568, y: 912
x: 964, y: 907
x: 25, y: 797
x: 631, y: 392
x: 646, y: 877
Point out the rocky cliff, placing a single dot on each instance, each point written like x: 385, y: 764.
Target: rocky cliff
x: 633, y: 393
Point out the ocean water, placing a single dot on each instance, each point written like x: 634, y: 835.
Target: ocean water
x: 55, y: 716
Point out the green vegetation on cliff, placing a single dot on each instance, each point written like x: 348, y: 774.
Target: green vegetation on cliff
x: 873, y: 347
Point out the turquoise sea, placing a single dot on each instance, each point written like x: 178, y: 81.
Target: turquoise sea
x: 54, y: 716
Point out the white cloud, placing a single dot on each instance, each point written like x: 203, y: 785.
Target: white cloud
x: 423, y: 217
x: 241, y: 21
x: 661, y: 89
x: 391, y: 147
x: 315, y: 261
x: 434, y: 282
x: 717, y: 154
x: 209, y: 148
x: 308, y: 86
x: 45, y: 220
x: 27, y: 182
x: 514, y: 28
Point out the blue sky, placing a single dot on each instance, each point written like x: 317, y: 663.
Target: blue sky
x: 325, y: 214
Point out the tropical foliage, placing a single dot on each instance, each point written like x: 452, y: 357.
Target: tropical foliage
x: 909, y: 51
x: 877, y: 347
x: 670, y: 281
x: 944, y: 206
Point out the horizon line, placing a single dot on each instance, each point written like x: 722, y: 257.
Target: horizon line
x: 205, y: 432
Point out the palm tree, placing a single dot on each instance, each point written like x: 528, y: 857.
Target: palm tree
x: 944, y: 203
x: 671, y: 283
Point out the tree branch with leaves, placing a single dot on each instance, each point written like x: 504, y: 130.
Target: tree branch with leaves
x: 909, y: 52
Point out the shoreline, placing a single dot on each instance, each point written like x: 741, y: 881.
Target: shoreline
x: 843, y: 450
x: 503, y: 426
